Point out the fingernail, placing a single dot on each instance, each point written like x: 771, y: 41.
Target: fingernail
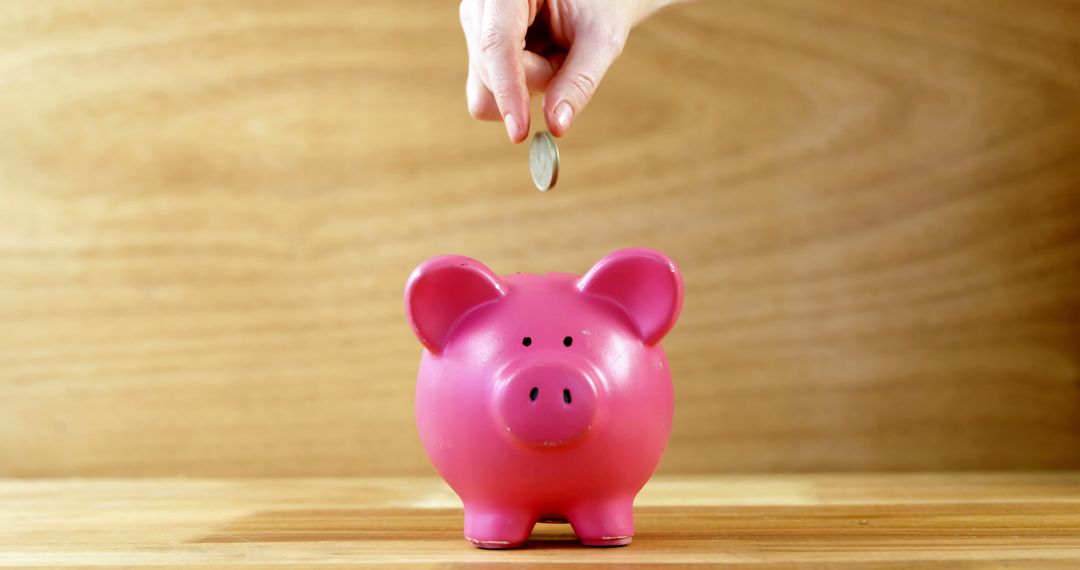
x: 511, y: 126
x: 564, y: 114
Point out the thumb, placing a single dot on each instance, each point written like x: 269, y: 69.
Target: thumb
x: 570, y: 90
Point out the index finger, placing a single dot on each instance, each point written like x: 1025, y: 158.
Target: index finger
x: 502, y: 48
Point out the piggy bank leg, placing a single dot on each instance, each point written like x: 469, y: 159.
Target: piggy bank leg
x: 604, y: 523
x: 497, y: 527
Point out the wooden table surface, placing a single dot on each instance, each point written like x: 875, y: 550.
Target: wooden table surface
x: 792, y: 521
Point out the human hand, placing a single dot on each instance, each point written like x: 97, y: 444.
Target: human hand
x: 560, y: 48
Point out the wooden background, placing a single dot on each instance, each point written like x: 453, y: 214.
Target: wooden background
x: 208, y: 211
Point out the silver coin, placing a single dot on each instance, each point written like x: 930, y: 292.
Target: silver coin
x: 544, y: 161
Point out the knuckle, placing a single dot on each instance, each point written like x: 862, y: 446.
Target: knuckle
x: 503, y: 85
x: 492, y: 42
x: 479, y: 102
x: 584, y: 84
x: 483, y: 111
x: 476, y: 109
x: 503, y: 93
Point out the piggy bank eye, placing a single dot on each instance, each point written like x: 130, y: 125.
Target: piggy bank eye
x: 568, y: 341
x: 526, y: 341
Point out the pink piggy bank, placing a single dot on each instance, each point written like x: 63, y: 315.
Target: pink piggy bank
x: 545, y: 397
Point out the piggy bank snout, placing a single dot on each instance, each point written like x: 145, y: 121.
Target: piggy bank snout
x: 547, y: 404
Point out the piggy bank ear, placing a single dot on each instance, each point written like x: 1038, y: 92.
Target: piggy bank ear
x: 645, y: 283
x: 441, y: 291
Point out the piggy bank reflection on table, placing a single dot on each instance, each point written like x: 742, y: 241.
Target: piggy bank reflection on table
x: 545, y: 397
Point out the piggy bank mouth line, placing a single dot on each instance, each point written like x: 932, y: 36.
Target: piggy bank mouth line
x: 557, y: 442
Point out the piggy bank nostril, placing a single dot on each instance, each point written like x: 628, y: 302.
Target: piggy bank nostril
x: 534, y: 393
x: 566, y: 395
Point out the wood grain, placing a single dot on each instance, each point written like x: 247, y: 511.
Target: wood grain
x: 209, y: 210
x: 826, y: 521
